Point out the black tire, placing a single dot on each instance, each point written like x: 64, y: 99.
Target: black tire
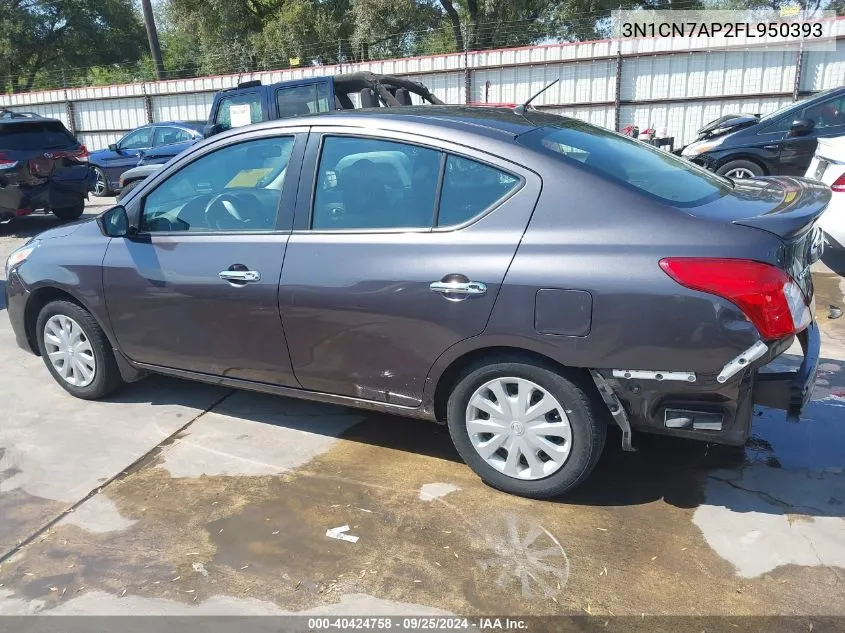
x: 106, y: 373
x: 126, y: 189
x: 67, y: 214
x: 106, y: 190
x: 586, y: 412
x: 747, y: 166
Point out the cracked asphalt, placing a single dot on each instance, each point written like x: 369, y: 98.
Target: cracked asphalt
x: 177, y: 498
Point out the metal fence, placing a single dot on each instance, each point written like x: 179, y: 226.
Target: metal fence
x: 673, y: 85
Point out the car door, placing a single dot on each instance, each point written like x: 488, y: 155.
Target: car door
x: 128, y: 152
x: 828, y: 119
x: 400, y: 247
x: 197, y: 288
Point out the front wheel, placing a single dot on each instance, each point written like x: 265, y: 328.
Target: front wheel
x: 73, y: 212
x: 101, y: 183
x: 76, y: 351
x: 526, y: 429
x: 740, y: 170
x: 127, y: 188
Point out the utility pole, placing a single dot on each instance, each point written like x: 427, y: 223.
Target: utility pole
x: 152, y: 36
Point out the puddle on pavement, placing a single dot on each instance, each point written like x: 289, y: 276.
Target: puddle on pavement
x: 625, y: 543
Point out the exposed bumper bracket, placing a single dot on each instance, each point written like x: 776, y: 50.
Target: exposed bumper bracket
x: 648, y: 374
x: 791, y: 390
x: 616, y: 409
x: 733, y: 367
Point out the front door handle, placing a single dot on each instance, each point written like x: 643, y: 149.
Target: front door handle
x: 771, y: 147
x: 240, y: 276
x: 472, y: 288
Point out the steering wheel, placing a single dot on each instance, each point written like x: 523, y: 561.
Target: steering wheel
x: 221, y: 213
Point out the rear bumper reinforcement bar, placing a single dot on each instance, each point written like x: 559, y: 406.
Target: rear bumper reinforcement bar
x: 791, y: 390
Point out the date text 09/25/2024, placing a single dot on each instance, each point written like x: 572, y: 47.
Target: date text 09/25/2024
x: 425, y: 623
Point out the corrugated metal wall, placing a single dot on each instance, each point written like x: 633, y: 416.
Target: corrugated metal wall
x: 676, y: 87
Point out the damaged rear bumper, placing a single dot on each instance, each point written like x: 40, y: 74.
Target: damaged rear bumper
x: 715, y: 407
x: 791, y: 390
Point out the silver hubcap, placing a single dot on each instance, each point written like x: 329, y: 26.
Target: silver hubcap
x: 100, y: 184
x: 519, y: 428
x: 740, y: 173
x: 69, y: 351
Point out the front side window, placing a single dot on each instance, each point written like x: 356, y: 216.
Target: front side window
x: 303, y: 100
x: 826, y: 114
x: 239, y: 110
x: 470, y: 187
x: 635, y: 165
x: 139, y: 139
x: 236, y: 188
x: 170, y: 135
x: 367, y: 183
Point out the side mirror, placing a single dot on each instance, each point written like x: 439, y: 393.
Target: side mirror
x: 115, y: 222
x: 113, y: 147
x: 801, y: 126
x: 211, y: 129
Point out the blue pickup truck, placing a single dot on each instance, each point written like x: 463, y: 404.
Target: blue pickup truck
x: 253, y: 102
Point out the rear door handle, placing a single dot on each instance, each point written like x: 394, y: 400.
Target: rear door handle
x: 474, y: 288
x: 242, y: 276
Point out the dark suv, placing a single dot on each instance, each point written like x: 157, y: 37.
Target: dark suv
x: 780, y: 143
x: 252, y: 102
x: 525, y: 278
x: 42, y: 166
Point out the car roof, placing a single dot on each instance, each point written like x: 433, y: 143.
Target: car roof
x: 27, y: 117
x: 501, y: 123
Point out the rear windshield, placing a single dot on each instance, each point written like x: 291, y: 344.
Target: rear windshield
x: 633, y: 164
x: 35, y: 135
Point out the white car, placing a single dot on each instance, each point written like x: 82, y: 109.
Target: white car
x: 828, y: 166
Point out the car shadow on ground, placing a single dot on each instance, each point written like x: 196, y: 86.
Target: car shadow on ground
x: 2, y: 294
x: 666, y: 469
x: 29, y: 226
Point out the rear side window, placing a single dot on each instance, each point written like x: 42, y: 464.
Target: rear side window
x: 302, y: 100
x: 469, y: 187
x: 170, y: 135
x: 35, y: 135
x: 365, y: 183
x: 635, y: 165
x: 239, y: 110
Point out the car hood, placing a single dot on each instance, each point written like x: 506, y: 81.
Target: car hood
x: 63, y: 230
x: 726, y: 124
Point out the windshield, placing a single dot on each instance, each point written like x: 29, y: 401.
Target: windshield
x: 633, y: 164
x: 781, y: 110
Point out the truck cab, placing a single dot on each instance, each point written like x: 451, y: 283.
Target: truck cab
x: 253, y: 102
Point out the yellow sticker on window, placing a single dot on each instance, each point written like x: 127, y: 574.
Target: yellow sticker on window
x: 248, y: 177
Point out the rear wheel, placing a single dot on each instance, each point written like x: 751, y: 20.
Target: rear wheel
x: 526, y: 429
x: 740, y: 170
x: 70, y: 213
x: 76, y: 351
x: 101, y: 183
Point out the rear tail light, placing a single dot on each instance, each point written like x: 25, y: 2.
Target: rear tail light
x: 6, y: 163
x: 839, y: 184
x: 80, y: 154
x: 767, y: 296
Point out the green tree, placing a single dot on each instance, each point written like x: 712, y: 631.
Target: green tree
x: 42, y: 41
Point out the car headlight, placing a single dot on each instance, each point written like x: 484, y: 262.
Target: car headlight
x: 19, y: 256
x: 699, y: 147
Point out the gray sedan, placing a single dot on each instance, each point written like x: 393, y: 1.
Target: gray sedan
x: 527, y: 279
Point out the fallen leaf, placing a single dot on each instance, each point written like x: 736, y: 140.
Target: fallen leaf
x: 190, y: 590
x: 435, y: 562
x: 221, y: 531
x: 175, y: 579
x: 654, y: 558
x: 123, y: 593
x: 274, y: 533
x: 298, y: 583
x: 244, y: 567
x: 602, y: 529
x: 54, y: 588
x: 418, y: 581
